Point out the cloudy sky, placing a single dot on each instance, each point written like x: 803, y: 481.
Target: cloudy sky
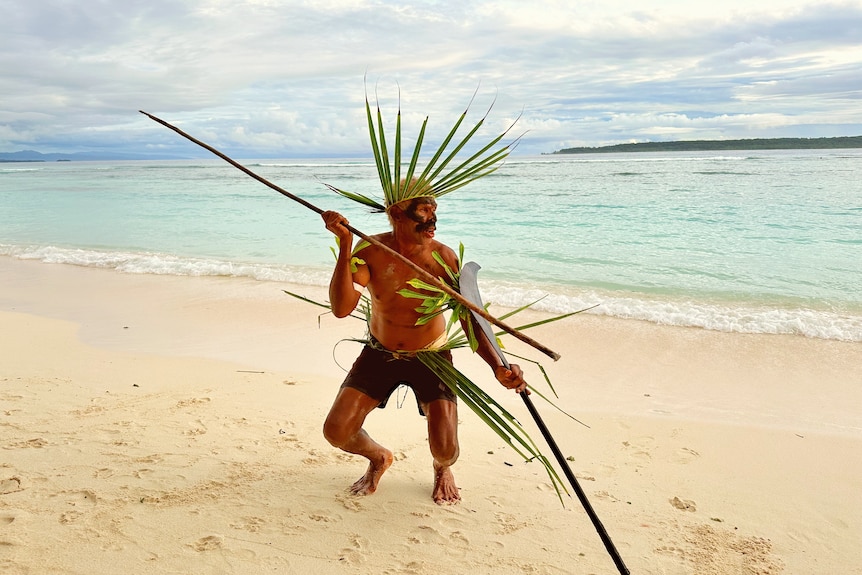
x: 285, y: 78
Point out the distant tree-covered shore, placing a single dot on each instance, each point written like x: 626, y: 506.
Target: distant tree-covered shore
x: 719, y: 145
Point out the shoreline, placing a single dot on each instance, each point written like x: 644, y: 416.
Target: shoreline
x: 253, y: 322
x: 742, y: 145
x: 839, y: 320
x: 163, y: 423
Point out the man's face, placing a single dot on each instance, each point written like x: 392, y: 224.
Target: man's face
x: 423, y: 211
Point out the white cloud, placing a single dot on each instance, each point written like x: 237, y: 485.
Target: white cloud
x: 285, y: 78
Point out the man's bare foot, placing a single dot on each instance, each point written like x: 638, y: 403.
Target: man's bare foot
x: 367, y: 484
x: 445, y: 490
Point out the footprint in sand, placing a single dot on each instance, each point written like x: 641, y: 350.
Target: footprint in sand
x: 76, y: 498
x: 683, y: 504
x: 196, y: 428
x: 508, y: 523
x: 604, y: 495
x: 350, y: 502
x: 431, y: 535
x: 80, y: 501
x: 155, y: 458
x: 6, y: 519
x: 458, y: 539
x: 317, y: 457
x: 36, y: 443
x: 685, y: 455
x: 11, y: 485
x: 292, y: 441
x: 453, y: 523
x: 251, y: 524
x: 208, y: 543
x: 238, y: 422
x: 193, y: 402
x: 70, y: 517
x: 354, y: 554
x: 639, y: 450
x: 671, y: 550
x: 93, y: 409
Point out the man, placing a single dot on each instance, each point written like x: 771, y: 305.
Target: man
x: 386, y: 361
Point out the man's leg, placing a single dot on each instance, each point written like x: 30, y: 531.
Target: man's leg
x: 343, y: 429
x: 442, y: 416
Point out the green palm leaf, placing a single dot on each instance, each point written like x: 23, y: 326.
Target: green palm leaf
x: 492, y: 413
x: 434, y: 179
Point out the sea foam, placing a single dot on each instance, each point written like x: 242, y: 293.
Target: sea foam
x: 739, y: 317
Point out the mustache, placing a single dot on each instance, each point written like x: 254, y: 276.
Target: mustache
x: 430, y: 225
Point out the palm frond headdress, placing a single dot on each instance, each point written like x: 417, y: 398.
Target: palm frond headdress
x: 437, y: 178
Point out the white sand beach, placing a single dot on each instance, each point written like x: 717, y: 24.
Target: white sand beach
x: 161, y: 424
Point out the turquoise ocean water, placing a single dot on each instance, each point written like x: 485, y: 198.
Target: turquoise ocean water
x: 762, y: 242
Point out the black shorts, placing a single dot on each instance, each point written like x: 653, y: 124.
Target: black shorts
x: 377, y: 373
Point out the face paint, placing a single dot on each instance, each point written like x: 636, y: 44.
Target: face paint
x: 430, y: 225
x: 423, y: 224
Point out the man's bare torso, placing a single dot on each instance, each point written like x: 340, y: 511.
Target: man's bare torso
x: 393, y: 316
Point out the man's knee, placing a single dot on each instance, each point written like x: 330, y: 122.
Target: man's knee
x: 335, y: 432
x: 446, y: 453
x: 443, y: 431
x: 346, y: 416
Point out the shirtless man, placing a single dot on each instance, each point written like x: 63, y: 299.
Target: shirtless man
x: 393, y: 328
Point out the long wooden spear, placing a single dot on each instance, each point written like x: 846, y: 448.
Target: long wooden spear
x: 424, y: 274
